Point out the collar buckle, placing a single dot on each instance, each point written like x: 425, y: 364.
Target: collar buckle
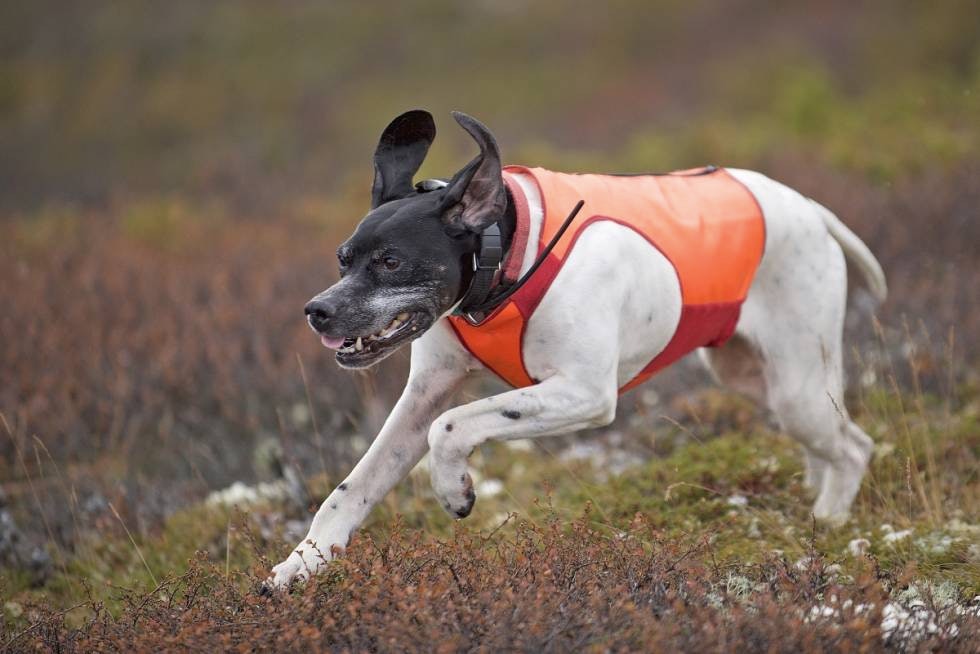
x: 491, y: 252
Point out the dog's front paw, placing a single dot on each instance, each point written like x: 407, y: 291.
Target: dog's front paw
x: 304, y: 562
x: 456, y: 494
x: 447, y: 470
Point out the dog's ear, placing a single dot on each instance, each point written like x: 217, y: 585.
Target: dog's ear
x: 475, y: 197
x: 401, y: 150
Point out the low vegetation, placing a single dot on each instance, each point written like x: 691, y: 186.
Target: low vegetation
x: 709, y: 546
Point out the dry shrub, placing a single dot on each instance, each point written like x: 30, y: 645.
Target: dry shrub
x: 537, y: 588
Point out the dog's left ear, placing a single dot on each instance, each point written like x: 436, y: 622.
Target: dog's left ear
x: 475, y: 197
x: 400, y: 152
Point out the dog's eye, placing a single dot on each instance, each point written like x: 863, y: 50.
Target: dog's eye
x: 391, y: 263
x: 343, y: 259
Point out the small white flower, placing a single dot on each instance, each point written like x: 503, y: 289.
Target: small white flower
x: 895, y: 536
x: 737, y: 500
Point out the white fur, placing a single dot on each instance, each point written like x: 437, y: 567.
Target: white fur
x: 594, y: 331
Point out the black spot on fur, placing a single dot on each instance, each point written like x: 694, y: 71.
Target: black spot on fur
x: 342, y: 487
x: 512, y: 415
x: 449, y: 427
x: 363, y: 500
x: 333, y: 506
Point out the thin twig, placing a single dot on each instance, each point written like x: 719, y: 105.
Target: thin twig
x: 309, y: 403
x: 23, y: 632
x: 135, y: 546
x: 37, y: 500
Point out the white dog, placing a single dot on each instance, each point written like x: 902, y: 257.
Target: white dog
x: 616, y: 304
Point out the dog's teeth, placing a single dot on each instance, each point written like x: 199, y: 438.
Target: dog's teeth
x: 395, y: 324
x: 358, y: 345
x: 402, y: 317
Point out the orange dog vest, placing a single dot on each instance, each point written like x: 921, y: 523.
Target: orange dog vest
x: 704, y: 221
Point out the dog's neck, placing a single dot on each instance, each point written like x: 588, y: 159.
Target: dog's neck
x: 507, y: 224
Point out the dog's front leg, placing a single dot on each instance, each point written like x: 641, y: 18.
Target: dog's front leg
x: 437, y: 370
x: 557, y: 405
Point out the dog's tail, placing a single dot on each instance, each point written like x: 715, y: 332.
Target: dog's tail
x: 857, y: 252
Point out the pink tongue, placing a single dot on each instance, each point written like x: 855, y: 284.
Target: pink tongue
x: 332, y: 343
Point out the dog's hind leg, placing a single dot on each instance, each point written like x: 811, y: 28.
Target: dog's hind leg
x: 801, y: 361
x: 806, y: 397
x: 740, y: 366
x: 794, y: 318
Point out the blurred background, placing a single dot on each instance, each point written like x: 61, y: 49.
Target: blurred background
x: 174, y: 178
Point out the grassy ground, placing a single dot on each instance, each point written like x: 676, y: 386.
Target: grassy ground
x: 729, y: 508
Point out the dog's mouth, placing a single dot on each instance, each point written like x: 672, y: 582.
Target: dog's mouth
x: 363, y: 351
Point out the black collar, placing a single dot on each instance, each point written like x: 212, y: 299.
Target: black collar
x: 486, y: 260
x: 486, y: 268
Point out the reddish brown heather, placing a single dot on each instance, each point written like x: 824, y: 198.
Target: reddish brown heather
x: 166, y: 359
x: 542, y: 588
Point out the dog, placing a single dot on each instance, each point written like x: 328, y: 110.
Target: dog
x: 477, y: 272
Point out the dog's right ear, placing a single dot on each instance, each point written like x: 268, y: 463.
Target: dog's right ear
x: 475, y: 197
x: 400, y: 152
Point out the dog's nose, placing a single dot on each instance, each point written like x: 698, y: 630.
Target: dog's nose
x: 320, y: 312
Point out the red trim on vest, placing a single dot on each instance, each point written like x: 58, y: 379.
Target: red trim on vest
x: 511, y: 266
x: 701, y: 325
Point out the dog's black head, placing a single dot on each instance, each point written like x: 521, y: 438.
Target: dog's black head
x: 409, y: 259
